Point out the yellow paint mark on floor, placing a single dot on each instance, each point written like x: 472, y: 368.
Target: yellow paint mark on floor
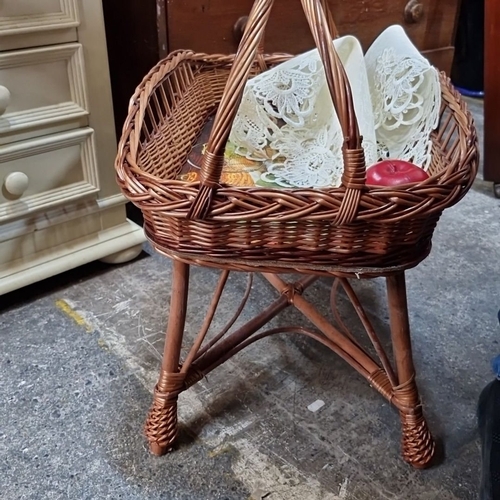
x: 63, y: 306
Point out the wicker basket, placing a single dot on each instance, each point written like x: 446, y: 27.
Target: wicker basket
x: 352, y: 226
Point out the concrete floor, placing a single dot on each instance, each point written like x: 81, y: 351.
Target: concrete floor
x: 80, y: 355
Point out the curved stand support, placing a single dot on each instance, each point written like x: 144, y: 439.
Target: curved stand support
x: 397, y: 384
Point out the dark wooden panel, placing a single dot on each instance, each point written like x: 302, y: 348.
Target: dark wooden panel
x: 440, y: 21
x: 137, y: 31
x: 433, y: 29
x: 132, y: 39
x: 492, y: 92
x: 136, y: 35
x: 441, y: 58
x: 207, y: 25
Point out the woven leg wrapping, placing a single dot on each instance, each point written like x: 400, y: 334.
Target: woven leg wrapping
x: 193, y: 376
x: 379, y: 381
x: 417, y: 444
x: 161, y: 425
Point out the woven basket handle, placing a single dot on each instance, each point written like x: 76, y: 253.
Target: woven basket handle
x: 353, y: 178
x: 241, y: 23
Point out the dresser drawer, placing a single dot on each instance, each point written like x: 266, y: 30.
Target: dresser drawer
x: 208, y: 26
x: 45, y: 172
x: 25, y: 16
x: 41, y: 89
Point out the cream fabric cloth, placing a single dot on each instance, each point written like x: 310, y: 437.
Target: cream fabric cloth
x: 287, y: 121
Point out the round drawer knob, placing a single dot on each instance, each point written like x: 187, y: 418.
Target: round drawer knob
x: 4, y: 99
x: 414, y: 11
x: 16, y: 183
x: 239, y: 28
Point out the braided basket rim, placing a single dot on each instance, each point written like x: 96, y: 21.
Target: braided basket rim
x: 131, y: 177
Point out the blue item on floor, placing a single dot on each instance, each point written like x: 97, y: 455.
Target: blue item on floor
x: 489, y: 431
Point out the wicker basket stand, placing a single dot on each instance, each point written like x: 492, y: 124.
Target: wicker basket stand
x: 350, y: 232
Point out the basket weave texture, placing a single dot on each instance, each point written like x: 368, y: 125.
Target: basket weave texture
x: 353, y: 225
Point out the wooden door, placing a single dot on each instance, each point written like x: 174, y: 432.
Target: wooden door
x: 209, y: 25
x: 492, y: 94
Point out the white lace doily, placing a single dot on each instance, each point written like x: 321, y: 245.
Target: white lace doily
x: 406, y: 97
x: 287, y: 121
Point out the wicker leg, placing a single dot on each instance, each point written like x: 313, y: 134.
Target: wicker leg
x: 161, y: 424
x: 417, y: 443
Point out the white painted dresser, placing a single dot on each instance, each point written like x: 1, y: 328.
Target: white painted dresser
x: 60, y: 206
